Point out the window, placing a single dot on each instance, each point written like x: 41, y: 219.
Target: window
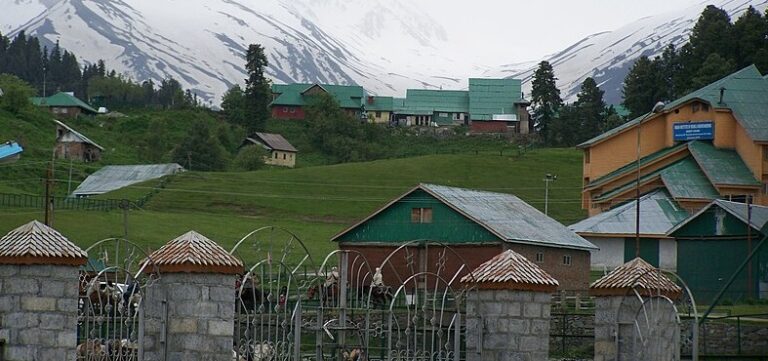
x: 421, y: 215
x: 293, y: 110
x: 567, y: 260
x: 283, y: 156
x: 705, y: 107
x: 586, y: 156
x: 275, y: 154
x: 695, y: 107
x: 740, y: 198
x: 378, y: 114
x: 285, y: 109
x: 539, y: 257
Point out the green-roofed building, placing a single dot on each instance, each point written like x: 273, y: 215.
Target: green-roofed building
x: 289, y: 100
x: 64, y: 105
x: 379, y: 109
x: 720, y: 130
x: 424, y: 107
x: 497, y: 105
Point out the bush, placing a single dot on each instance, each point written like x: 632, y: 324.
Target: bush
x: 16, y: 93
x: 200, y: 149
x: 250, y: 158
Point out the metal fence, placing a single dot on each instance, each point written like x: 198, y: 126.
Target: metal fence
x: 742, y: 337
x: 10, y: 200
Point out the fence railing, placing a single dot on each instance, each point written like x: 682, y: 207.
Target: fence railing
x: 10, y: 200
x: 740, y: 337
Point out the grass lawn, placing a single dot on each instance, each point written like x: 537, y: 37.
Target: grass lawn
x: 313, y: 202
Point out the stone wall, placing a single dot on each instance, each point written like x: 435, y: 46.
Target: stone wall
x: 508, y: 325
x: 38, y: 312
x: 200, y: 317
x: 728, y: 338
x: 615, y: 316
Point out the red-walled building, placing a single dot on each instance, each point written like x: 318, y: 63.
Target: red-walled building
x: 289, y: 100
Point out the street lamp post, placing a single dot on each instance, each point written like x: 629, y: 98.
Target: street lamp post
x: 547, y: 179
x: 656, y: 109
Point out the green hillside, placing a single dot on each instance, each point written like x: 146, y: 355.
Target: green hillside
x: 313, y: 202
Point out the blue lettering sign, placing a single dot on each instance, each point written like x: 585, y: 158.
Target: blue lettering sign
x: 693, y: 131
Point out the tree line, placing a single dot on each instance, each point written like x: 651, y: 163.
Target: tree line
x: 717, y: 47
x: 49, y: 71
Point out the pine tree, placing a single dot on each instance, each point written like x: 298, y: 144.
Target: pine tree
x: 257, y: 90
x: 642, y: 87
x: 751, y: 34
x: 713, y: 33
x: 714, y: 68
x: 545, y: 99
x: 233, y: 105
x: 590, y: 110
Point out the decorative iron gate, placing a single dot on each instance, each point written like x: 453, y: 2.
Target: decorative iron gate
x: 110, y: 306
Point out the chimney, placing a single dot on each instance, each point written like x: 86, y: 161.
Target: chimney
x: 722, y: 93
x: 370, y: 99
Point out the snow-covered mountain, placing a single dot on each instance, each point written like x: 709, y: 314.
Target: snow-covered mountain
x: 385, y: 45
x: 608, y: 56
x: 202, y: 42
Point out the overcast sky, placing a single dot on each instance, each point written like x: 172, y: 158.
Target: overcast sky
x: 537, y: 27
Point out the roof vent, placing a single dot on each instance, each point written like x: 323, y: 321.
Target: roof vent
x: 722, y: 93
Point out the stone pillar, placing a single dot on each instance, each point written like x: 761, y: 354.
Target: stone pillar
x: 634, y: 315
x: 508, y: 316
x: 189, y: 312
x: 39, y: 280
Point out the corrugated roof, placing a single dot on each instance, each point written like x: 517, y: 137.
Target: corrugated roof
x: 493, y: 96
x: 398, y: 105
x: 273, y: 141
x: 194, y: 252
x: 508, y: 217
x: 745, y: 94
x: 430, y: 101
x: 36, y: 240
x: 375, y: 103
x: 348, y: 96
x: 513, y: 270
x: 10, y: 149
x: 758, y: 218
x: 114, y: 177
x: 632, y: 166
x: 659, y: 213
x: 722, y: 166
x: 74, y: 136
x: 684, y: 179
x: 62, y: 99
x: 636, y: 274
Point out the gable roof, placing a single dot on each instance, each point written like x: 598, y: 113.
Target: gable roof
x: 75, y: 136
x: 504, y: 215
x: 510, y: 270
x: 62, y: 99
x: 114, y: 177
x: 632, y: 166
x: 272, y: 141
x: 745, y: 95
x: 488, y: 97
x: 758, y: 217
x: 348, y: 96
x: 685, y: 180
x: 722, y: 166
x: 36, y: 243
x: 424, y: 101
x: 659, y: 214
x: 375, y: 103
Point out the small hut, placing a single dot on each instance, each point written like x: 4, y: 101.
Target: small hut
x: 71, y: 144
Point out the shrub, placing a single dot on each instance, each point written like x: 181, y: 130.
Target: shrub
x: 250, y: 158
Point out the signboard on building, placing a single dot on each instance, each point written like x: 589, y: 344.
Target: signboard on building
x: 693, y: 131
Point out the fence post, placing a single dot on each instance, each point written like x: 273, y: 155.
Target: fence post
x: 38, y: 302
x: 738, y: 334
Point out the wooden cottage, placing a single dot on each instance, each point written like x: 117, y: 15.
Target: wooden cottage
x: 477, y: 225
x: 281, y: 152
x: 71, y: 144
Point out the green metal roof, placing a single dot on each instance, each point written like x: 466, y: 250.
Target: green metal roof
x: 380, y: 104
x: 722, y: 166
x: 758, y: 217
x: 423, y: 101
x: 348, y: 96
x: 398, y: 105
x: 493, y: 96
x: 621, y: 110
x: 684, y: 179
x: 659, y: 213
x: 746, y: 94
x: 62, y: 99
x: 632, y: 166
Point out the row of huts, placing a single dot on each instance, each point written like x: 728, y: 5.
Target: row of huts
x: 488, y: 105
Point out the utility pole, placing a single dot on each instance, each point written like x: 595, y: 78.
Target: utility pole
x: 549, y: 178
x: 189, y: 161
x: 48, y: 196
x: 125, y: 205
x: 69, y: 183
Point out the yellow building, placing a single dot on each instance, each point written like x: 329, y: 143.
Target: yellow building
x: 281, y: 153
x: 379, y: 109
x: 709, y: 144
